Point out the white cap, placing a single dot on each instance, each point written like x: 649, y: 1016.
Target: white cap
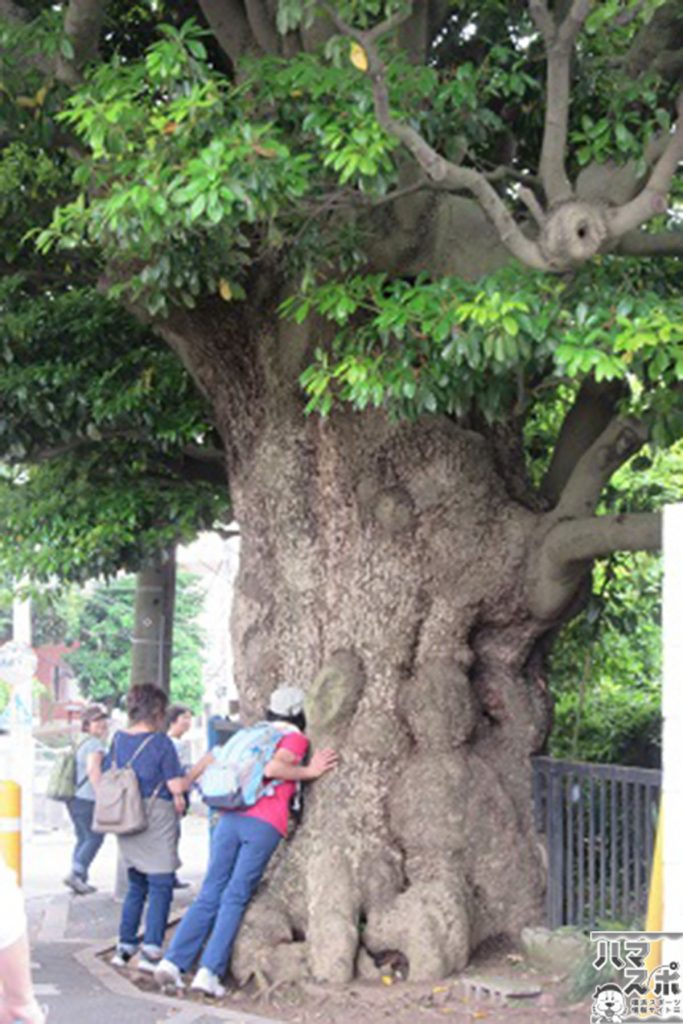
x: 287, y: 701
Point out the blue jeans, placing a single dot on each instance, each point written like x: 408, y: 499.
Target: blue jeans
x: 157, y: 890
x: 240, y: 850
x: 87, y: 842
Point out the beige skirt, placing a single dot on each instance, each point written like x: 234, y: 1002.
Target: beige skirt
x: 154, y: 851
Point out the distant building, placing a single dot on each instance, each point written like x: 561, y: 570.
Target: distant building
x: 59, y: 699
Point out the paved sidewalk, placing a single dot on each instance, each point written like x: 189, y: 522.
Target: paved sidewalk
x: 68, y: 932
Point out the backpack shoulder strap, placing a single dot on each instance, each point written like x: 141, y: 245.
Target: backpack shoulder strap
x: 140, y: 749
x: 77, y: 746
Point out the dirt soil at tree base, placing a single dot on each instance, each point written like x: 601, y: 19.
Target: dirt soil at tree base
x: 404, y: 1002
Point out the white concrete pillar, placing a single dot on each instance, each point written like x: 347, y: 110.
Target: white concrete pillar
x: 18, y: 668
x: 672, y: 711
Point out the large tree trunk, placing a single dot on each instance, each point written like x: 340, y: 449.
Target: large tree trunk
x: 383, y: 569
x: 152, y: 643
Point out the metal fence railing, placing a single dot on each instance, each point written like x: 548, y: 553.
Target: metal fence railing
x: 599, y: 823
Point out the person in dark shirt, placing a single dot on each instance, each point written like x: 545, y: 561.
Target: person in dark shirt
x: 150, y: 857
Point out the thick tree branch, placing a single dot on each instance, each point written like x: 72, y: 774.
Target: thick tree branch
x: 581, y: 540
x: 642, y: 243
x: 532, y: 204
x: 82, y: 27
x: 559, y: 44
x: 658, y: 45
x: 571, y: 230
x: 653, y: 198
x: 570, y: 547
x: 620, y: 439
x: 593, y: 410
x: 76, y: 443
x: 199, y: 470
x: 262, y: 26
x: 191, y: 463
x: 230, y: 26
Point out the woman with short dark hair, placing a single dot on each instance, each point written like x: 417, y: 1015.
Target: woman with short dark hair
x: 150, y: 857
x: 94, y: 726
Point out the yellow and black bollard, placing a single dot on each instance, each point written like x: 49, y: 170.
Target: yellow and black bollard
x: 10, y: 824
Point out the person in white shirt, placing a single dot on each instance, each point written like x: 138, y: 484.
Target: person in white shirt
x: 178, y: 723
x: 17, y: 1002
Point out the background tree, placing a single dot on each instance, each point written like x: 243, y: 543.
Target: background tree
x: 110, y: 458
x: 109, y: 454
x: 103, y: 630
x: 369, y: 170
x: 605, y: 667
x: 605, y: 670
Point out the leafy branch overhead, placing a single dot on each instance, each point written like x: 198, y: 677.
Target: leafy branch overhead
x: 570, y: 230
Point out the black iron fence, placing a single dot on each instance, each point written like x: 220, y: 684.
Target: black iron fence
x: 599, y: 822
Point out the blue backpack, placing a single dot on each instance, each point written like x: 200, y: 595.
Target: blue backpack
x: 234, y: 781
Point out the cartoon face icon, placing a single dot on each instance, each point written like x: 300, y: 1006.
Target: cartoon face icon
x: 609, y: 1005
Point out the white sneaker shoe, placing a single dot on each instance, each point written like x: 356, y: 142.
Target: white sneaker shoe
x: 146, y: 964
x: 122, y: 956
x: 166, y: 973
x: 207, y: 982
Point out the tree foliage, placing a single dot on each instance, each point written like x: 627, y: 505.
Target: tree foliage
x: 605, y: 669
x: 99, y: 619
x: 110, y: 454
x: 192, y: 179
x: 103, y: 437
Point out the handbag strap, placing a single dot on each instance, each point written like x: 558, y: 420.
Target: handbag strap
x: 77, y: 747
x: 135, y: 753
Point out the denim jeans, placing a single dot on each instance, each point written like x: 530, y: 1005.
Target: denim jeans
x: 240, y: 850
x: 157, y: 891
x: 87, y: 841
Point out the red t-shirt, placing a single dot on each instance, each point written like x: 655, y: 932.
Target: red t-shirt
x: 274, y: 809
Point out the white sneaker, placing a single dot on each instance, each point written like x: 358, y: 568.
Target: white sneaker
x: 148, y: 965
x: 121, y: 957
x: 166, y: 973
x: 207, y: 982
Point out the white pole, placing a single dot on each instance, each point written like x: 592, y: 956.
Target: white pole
x: 672, y: 732
x: 21, y: 621
x: 18, y: 664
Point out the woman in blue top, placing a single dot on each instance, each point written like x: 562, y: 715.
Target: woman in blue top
x: 94, y: 726
x: 150, y: 857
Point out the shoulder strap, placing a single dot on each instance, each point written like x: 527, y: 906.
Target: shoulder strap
x: 77, y: 747
x: 139, y: 749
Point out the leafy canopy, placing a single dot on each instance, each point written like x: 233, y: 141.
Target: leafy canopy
x: 194, y: 178
x: 96, y: 415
